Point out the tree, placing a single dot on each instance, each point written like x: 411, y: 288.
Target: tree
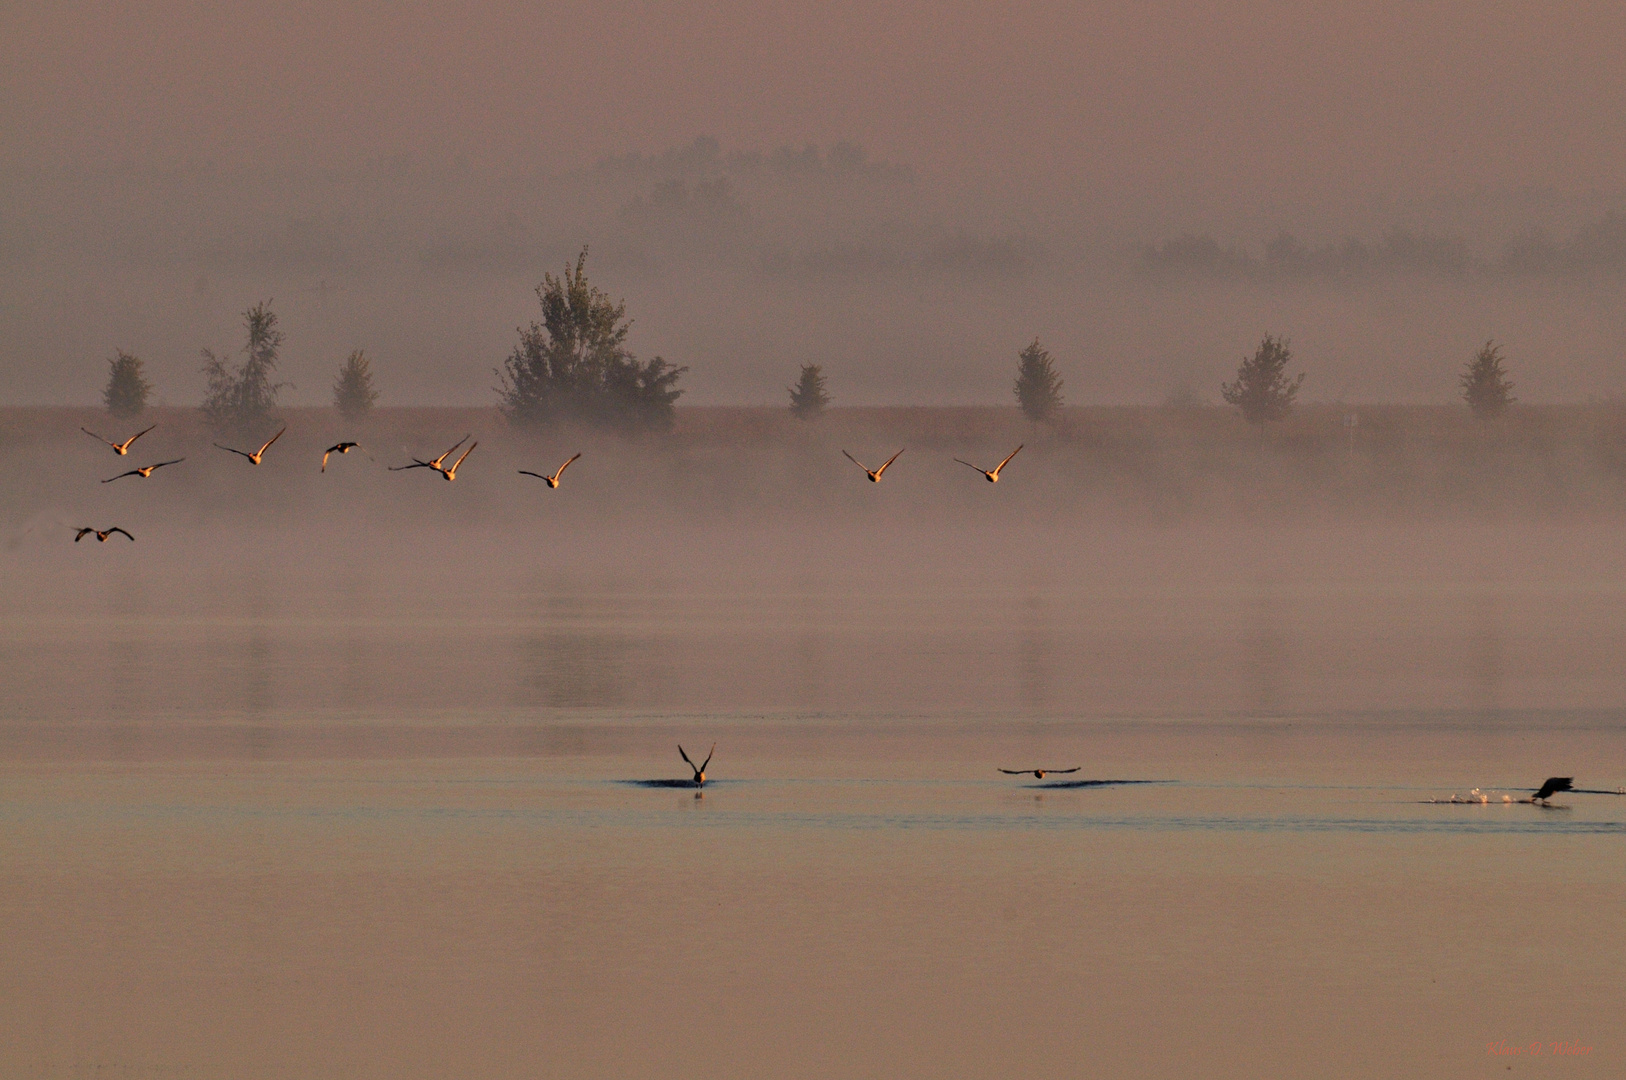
x: 1485, y: 385
x: 807, y: 397
x: 574, y: 364
x: 1262, y: 389
x: 1038, y: 387
x: 127, y: 387
x: 353, y: 393
x: 245, y: 398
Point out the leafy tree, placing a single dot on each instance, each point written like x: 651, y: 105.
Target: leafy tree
x: 1485, y: 385
x: 807, y: 397
x: 245, y: 397
x: 353, y: 393
x: 127, y: 386
x: 1262, y: 389
x: 1038, y: 387
x: 574, y: 364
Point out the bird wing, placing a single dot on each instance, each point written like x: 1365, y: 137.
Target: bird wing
x: 448, y: 452
x: 416, y: 464
x: 325, y: 453
x: 1016, y: 772
x: 855, y: 461
x: 684, y: 756
x: 95, y: 436
x: 116, y: 529
x: 527, y: 472
x: 136, y: 436
x: 269, y: 441
x: 121, y: 476
x: 1553, y: 785
x: 968, y: 465
x: 563, y: 467
x: 80, y: 535
x: 460, y: 460
x: 889, y: 461
x: 1059, y: 772
x: 1007, y: 461
x: 161, y: 464
x: 239, y: 452
x: 703, y: 764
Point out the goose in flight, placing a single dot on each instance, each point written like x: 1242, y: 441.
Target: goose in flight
x: 993, y: 476
x: 553, y: 481
x: 1552, y: 787
x: 119, y: 448
x: 451, y: 474
x: 143, y: 473
x: 699, y: 770
x: 874, y: 475
x: 254, y: 458
x: 101, y: 534
x: 337, y: 448
x: 433, y: 463
x: 1039, y: 774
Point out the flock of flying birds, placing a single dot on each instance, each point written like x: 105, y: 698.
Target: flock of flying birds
x: 437, y: 464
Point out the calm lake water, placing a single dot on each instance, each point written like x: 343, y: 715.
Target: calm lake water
x: 372, y: 809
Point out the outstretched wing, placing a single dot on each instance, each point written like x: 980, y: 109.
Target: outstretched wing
x: 416, y: 464
x: 1007, y: 461
x: 563, y: 467
x: 889, y: 461
x: 684, y: 756
x: 703, y: 764
x: 968, y: 465
x: 271, y: 440
x: 1554, y: 785
x: 1060, y: 772
x: 448, y: 452
x: 855, y: 461
x: 161, y: 464
x: 136, y: 436
x: 80, y: 535
x: 121, y: 476
x: 1016, y: 772
x: 116, y: 529
x: 459, y: 462
x: 325, y: 453
x: 95, y: 436
x: 240, y: 453
x: 527, y: 472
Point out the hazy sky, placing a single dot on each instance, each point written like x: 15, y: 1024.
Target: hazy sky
x: 1050, y: 122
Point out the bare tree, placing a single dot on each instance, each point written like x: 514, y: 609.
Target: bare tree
x: 127, y: 387
x: 1038, y: 387
x: 808, y: 397
x: 1262, y: 389
x: 1485, y: 385
x: 245, y: 398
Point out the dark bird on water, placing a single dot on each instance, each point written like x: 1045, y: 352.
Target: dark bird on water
x: 143, y: 473
x: 101, y: 534
x: 553, y: 481
x: 1039, y: 774
x: 873, y: 474
x: 699, y: 770
x: 432, y: 463
x: 1553, y: 786
x: 337, y: 448
x: 254, y: 458
x: 119, y: 448
x: 992, y: 475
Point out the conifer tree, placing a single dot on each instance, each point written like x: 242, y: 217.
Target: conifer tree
x: 127, y: 387
x: 1038, y: 387
x: 1262, y: 389
x: 1485, y: 385
x: 353, y: 393
x: 807, y: 397
x: 245, y: 398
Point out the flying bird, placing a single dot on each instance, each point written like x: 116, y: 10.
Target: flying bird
x: 451, y: 474
x: 119, y: 448
x: 993, y: 476
x: 101, y: 534
x: 254, y: 458
x: 1039, y: 774
x: 1553, y: 786
x: 874, y: 475
x: 699, y: 770
x: 434, y: 463
x: 143, y: 473
x: 337, y: 448
x: 553, y: 481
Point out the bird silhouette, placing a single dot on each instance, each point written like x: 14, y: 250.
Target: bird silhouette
x: 1553, y: 786
x: 1039, y: 774
x: 451, y: 474
x: 553, y: 481
x: 875, y: 474
x: 699, y: 770
x: 143, y: 472
x: 254, y: 458
x: 337, y: 448
x: 101, y: 534
x: 992, y: 475
x: 432, y: 463
x: 119, y: 448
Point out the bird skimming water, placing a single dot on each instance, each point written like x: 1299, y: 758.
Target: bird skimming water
x: 1039, y: 774
x: 699, y: 770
